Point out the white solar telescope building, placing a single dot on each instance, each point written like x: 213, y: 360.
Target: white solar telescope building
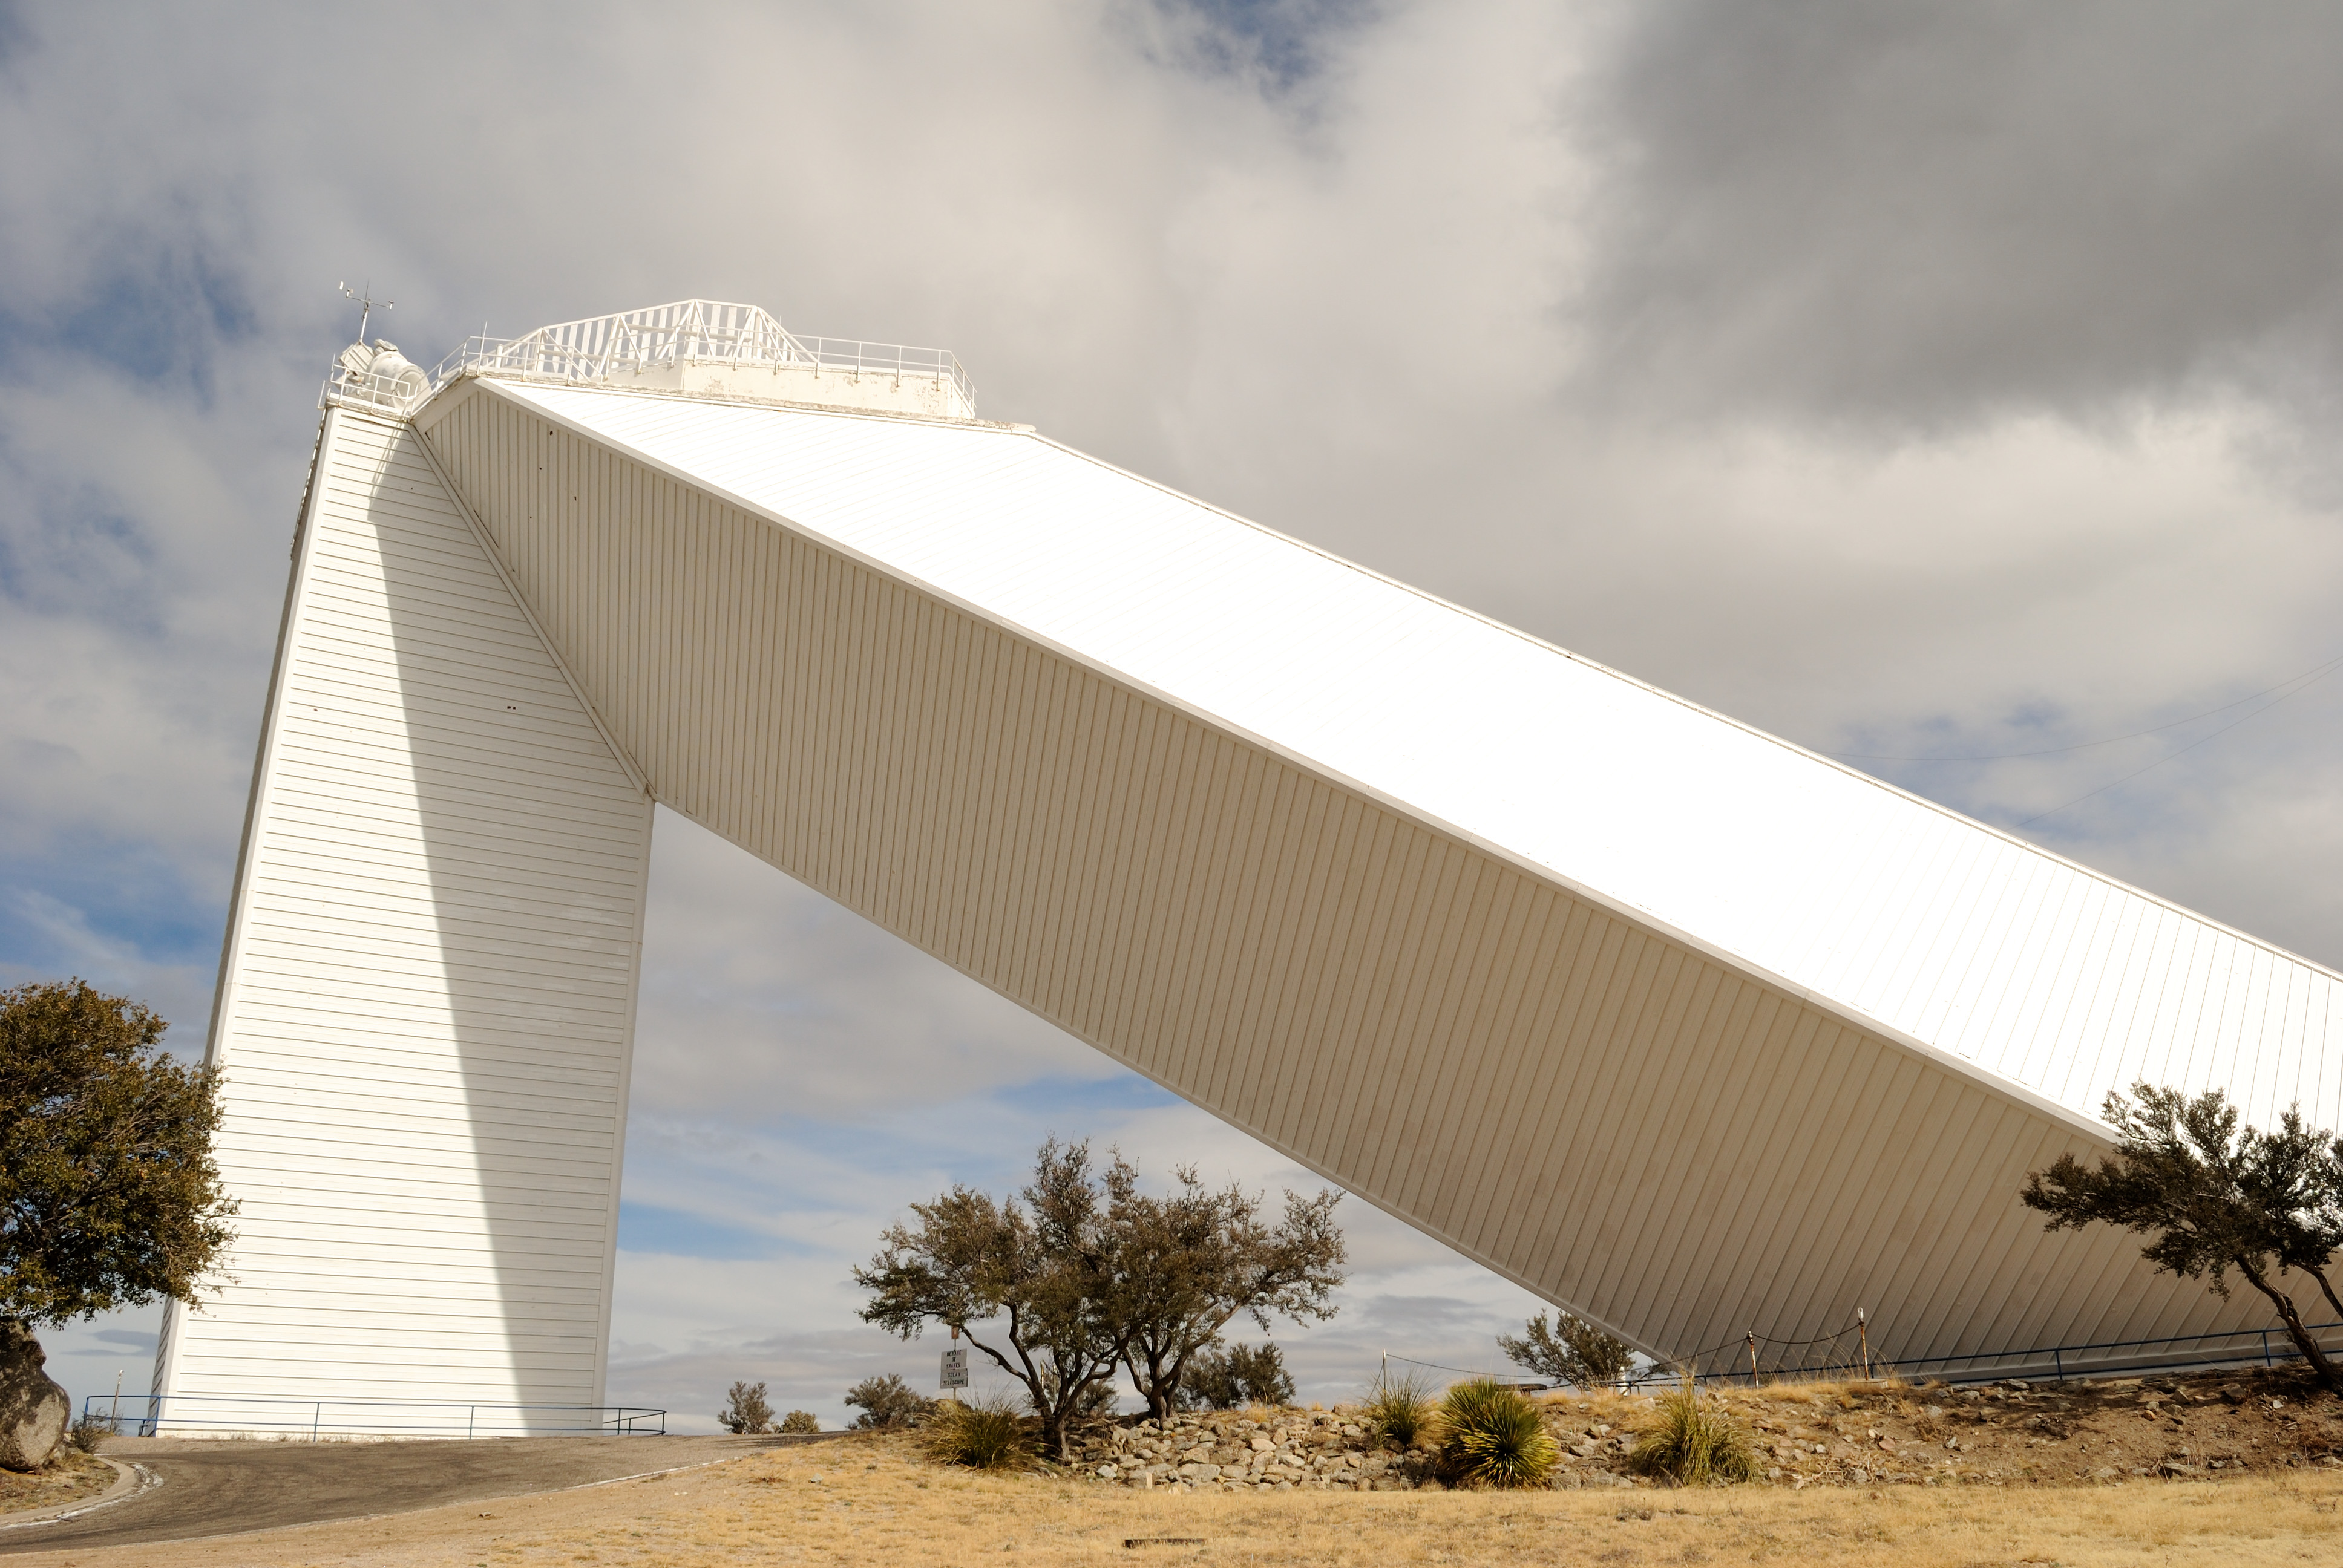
x: 1684, y: 1028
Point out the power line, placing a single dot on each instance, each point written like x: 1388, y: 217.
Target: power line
x: 2169, y: 756
x: 2313, y: 673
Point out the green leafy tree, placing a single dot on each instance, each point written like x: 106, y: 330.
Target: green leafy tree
x: 2298, y: 1182
x: 888, y: 1402
x: 1044, y: 1267
x: 1571, y: 1351
x: 109, y: 1196
x: 2215, y: 1197
x: 1239, y: 1376
x: 1198, y: 1258
x: 746, y: 1409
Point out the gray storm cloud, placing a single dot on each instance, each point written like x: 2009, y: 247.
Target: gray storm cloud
x: 1933, y: 213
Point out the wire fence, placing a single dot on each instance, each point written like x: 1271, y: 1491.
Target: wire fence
x: 282, y: 1415
x: 1755, y: 1358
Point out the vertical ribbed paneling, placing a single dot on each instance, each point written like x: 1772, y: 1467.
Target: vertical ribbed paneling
x: 426, y: 1000
x: 1885, y: 905
x: 1628, y: 1123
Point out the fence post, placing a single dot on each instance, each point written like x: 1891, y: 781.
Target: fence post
x: 471, y: 1419
x: 2265, y: 1355
x: 2058, y: 1360
x: 316, y: 1418
x: 1753, y: 1358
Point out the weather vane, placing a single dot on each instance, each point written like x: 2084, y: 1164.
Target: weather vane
x: 364, y: 295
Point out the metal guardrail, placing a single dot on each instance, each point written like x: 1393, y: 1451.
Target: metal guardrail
x: 2104, y: 1358
x: 2057, y: 1363
x: 635, y: 342
x: 692, y: 332
x: 282, y: 1415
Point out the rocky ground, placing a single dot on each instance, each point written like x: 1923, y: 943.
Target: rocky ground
x: 1805, y: 1435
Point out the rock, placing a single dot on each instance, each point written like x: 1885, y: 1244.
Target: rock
x: 34, y: 1411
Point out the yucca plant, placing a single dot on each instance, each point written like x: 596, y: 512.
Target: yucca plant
x: 1400, y: 1408
x: 987, y: 1432
x: 1492, y: 1436
x: 1693, y: 1443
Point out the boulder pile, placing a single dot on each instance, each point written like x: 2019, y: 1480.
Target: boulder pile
x: 2175, y: 1427
x: 1273, y: 1450
x: 1282, y: 1450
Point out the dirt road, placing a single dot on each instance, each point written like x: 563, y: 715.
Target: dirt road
x: 221, y: 1488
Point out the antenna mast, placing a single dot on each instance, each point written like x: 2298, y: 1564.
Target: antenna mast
x: 364, y: 295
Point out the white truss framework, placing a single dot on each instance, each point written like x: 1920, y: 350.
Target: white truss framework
x: 697, y: 332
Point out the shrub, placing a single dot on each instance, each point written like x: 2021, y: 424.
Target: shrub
x: 1399, y: 1407
x: 1492, y: 1436
x: 1235, y: 1377
x: 1695, y: 1443
x: 745, y: 1410
x: 987, y: 1432
x: 799, y: 1421
x: 90, y: 1433
x: 888, y: 1404
x: 1572, y: 1351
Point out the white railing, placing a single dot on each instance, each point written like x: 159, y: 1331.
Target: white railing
x: 692, y: 332
x: 377, y: 376
x: 280, y: 1415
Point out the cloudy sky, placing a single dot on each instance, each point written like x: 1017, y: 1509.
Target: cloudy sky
x: 1919, y: 383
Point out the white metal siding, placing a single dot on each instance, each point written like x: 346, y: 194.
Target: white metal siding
x: 1895, y: 908
x: 426, y: 1001
x: 1312, y: 851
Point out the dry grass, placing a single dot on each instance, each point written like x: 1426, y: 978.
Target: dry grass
x: 872, y: 1499
x: 71, y: 1477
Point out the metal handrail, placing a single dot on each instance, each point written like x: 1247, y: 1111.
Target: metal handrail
x: 2057, y: 1363
x: 689, y: 332
x: 317, y: 1418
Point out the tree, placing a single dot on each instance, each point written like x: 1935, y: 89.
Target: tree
x: 1572, y: 1350
x: 1239, y: 1376
x: 1047, y: 1268
x: 746, y: 1410
x: 109, y: 1196
x: 2298, y: 1182
x: 887, y: 1402
x: 2214, y: 1198
x: 1198, y: 1258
